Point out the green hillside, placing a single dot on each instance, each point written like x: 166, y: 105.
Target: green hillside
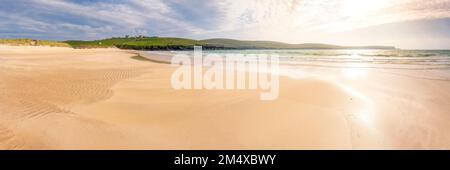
x: 30, y: 42
x: 169, y: 43
x: 139, y: 43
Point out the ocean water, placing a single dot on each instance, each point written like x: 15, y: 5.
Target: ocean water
x: 423, y: 64
x: 360, y: 58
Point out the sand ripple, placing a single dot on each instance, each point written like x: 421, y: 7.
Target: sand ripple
x: 30, y: 94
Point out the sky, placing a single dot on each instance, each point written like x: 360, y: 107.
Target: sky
x: 413, y: 24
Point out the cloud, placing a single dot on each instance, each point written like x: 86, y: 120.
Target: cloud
x: 100, y: 18
x: 292, y: 21
x: 300, y: 21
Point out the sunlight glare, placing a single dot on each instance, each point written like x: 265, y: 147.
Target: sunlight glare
x: 355, y: 8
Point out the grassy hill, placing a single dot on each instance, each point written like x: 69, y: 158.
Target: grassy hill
x: 169, y: 43
x: 30, y: 42
x: 142, y: 43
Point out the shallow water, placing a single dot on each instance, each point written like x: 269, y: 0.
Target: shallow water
x: 392, y: 59
x: 424, y: 64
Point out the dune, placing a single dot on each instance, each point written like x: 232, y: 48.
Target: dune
x: 63, y: 98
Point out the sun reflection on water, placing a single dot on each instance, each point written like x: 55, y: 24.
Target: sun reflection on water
x: 357, y: 68
x: 354, y: 73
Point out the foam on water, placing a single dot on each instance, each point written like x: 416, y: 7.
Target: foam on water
x: 390, y: 59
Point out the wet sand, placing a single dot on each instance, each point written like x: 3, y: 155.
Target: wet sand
x: 62, y: 98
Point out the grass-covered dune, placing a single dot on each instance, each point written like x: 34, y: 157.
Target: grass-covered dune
x: 31, y: 42
x: 169, y: 43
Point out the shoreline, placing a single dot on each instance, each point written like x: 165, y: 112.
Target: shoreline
x: 60, y: 98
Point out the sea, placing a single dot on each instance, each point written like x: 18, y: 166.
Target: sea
x: 429, y: 64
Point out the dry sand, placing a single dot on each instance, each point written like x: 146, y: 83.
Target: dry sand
x: 62, y: 98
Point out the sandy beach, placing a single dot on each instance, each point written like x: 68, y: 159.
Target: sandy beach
x: 63, y: 98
